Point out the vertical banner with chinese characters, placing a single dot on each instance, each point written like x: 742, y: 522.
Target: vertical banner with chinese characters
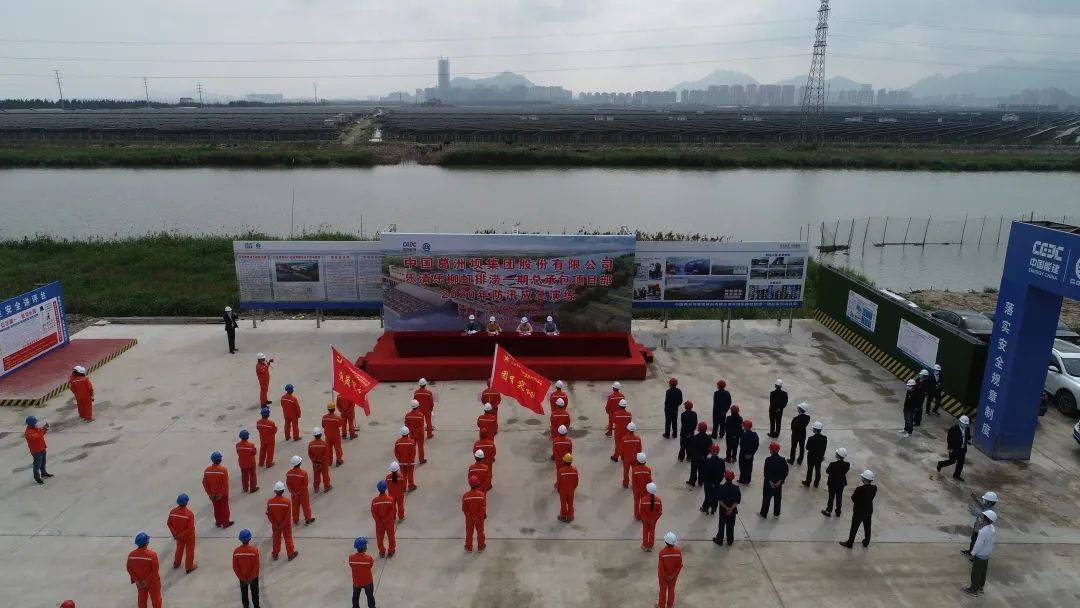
x: 433, y: 282
x: 350, y: 381
x: 512, y: 378
x: 31, y: 324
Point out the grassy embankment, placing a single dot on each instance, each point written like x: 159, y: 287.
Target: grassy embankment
x: 168, y: 275
x: 887, y: 157
x: 182, y: 155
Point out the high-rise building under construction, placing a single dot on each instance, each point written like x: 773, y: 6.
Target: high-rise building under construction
x: 443, y: 84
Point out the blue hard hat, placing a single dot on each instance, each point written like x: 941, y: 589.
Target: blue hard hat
x: 245, y: 535
x: 265, y: 411
x: 215, y: 457
x: 381, y: 486
x: 244, y: 434
x: 31, y: 421
x: 289, y: 388
x: 360, y: 543
x: 182, y: 499
x: 142, y: 539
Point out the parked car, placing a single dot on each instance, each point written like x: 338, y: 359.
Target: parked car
x: 1076, y: 432
x: 1064, y: 332
x: 1044, y: 403
x: 1063, y: 376
x: 971, y: 322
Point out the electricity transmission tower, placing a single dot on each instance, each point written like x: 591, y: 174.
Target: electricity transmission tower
x: 198, y: 87
x: 59, y: 88
x: 813, y: 101
x: 146, y: 89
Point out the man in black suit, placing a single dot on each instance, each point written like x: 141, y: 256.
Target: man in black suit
x: 729, y: 498
x: 815, y: 454
x: 836, y: 482
x: 721, y: 403
x: 672, y: 400
x: 712, y: 470
x: 748, y: 446
x: 957, y: 443
x: 862, y: 508
x: 687, y: 422
x: 231, y: 323
x: 798, y: 433
x: 778, y: 399
x: 733, y: 428
x: 775, y: 473
x: 697, y: 448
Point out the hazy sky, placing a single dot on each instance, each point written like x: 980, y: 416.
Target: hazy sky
x: 360, y: 48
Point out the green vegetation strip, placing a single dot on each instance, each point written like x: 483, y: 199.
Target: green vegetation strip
x: 179, y: 155
x: 932, y: 158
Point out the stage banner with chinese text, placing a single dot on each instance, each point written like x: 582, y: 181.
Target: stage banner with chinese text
x: 433, y: 282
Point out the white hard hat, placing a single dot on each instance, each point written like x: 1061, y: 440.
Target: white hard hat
x: 622, y: 402
x: 478, y: 454
x: 868, y: 475
x: 631, y: 427
x: 524, y: 319
x: 910, y: 383
x: 316, y: 431
x: 818, y: 426
x: 404, y: 431
x: 671, y: 539
x: 615, y: 385
x: 414, y: 404
x: 841, y: 452
x: 779, y: 382
x: 487, y: 407
x: 422, y: 381
x: 228, y: 309
x: 295, y: 460
x: 472, y: 317
x: 802, y: 406
x: 990, y: 514
x: 80, y: 369
x: 559, y: 384
x: 990, y: 497
x: 561, y: 430
x: 964, y: 420
x: 550, y: 319
x: 937, y: 368
x: 924, y: 373
x: 395, y: 467
x: 641, y: 457
x: 260, y: 356
x: 560, y: 402
x: 279, y: 487
x: 491, y: 318
x: 650, y: 488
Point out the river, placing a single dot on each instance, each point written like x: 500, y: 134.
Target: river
x: 745, y: 205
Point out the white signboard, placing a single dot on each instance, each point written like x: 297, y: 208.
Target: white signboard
x: 862, y: 311
x: 31, y: 324
x: 917, y: 343
x: 308, y: 274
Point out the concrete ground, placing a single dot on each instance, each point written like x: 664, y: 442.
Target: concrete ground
x: 178, y: 395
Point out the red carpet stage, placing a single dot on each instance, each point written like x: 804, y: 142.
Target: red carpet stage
x: 47, y: 377
x: 400, y: 356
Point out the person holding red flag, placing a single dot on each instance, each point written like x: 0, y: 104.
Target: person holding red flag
x: 492, y: 396
x: 611, y: 404
x: 487, y: 421
x: 474, y: 507
x: 352, y: 385
x: 262, y: 373
x: 487, y: 446
x: 414, y: 421
x: 427, y: 404
x: 513, y: 379
x: 566, y: 483
x: 558, y: 393
x: 405, y: 456
x: 347, y: 408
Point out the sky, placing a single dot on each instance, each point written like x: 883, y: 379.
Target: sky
x: 353, y: 49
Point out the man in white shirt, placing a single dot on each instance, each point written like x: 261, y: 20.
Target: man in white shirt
x: 980, y: 553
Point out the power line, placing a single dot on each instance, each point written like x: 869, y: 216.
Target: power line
x: 962, y: 47
x: 949, y: 28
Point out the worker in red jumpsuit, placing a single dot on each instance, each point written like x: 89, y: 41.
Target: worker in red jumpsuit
x: 566, y: 483
x: 427, y: 404
x: 474, y: 506
x: 557, y: 394
x: 279, y: 512
x: 246, y: 453
x: 405, y: 454
x: 360, y: 564
x: 290, y: 411
x: 395, y: 485
x: 650, y: 509
x: 181, y: 524
x: 480, y: 470
x: 559, y: 417
x: 640, y: 476
x: 669, y: 564
x: 331, y: 424
x: 619, y: 420
x: 267, y: 438
x: 35, y: 442
x: 488, y: 422
x: 561, y: 446
x: 319, y: 454
x: 611, y: 403
x: 414, y: 421
x: 142, y: 567
x: 296, y: 480
x: 631, y: 447
x: 245, y: 565
x: 262, y: 372
x: 347, y: 409
x: 83, y: 390
x: 492, y: 396
x: 216, y: 483
x: 487, y: 446
x: 382, y: 511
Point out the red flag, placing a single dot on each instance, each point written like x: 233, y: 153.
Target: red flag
x: 511, y: 378
x: 350, y: 381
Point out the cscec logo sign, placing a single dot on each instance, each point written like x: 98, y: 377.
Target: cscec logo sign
x: 1049, y: 251
x: 408, y: 246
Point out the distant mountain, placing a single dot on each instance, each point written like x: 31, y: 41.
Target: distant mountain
x: 502, y: 80
x: 718, y: 78
x: 836, y: 83
x: 1006, y: 78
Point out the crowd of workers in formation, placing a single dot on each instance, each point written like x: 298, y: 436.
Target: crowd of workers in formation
x: 698, y: 445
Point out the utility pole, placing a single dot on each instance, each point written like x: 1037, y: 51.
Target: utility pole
x: 59, y: 88
x: 813, y: 101
x: 198, y: 87
x: 146, y: 89
x: 315, y: 86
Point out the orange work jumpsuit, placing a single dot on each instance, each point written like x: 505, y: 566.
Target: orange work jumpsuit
x: 489, y: 423
x: 620, y: 419
x: 640, y: 476
x: 566, y: 483
x: 245, y: 562
x: 290, y: 411
x: 216, y: 484
x: 610, y: 405
x: 482, y: 473
x: 631, y: 446
x: 415, y: 421
x: 488, y: 447
x: 650, y: 508
x: 668, y: 567
x: 395, y: 486
x: 262, y: 372
x: 296, y: 480
x: 142, y: 566
x: 347, y: 409
x: 181, y: 525
x: 474, y: 506
x: 278, y: 511
x: 559, y: 417
x: 492, y: 396
x: 427, y: 407
x: 561, y: 446
x: 382, y: 511
x: 83, y: 389
x: 245, y: 459
x: 331, y: 424
x: 405, y: 454
x: 555, y: 396
x: 267, y: 438
x: 319, y: 454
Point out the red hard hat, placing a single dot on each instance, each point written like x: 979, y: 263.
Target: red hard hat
x: 688, y: 405
x: 474, y: 480
x: 67, y: 604
x: 721, y: 383
x: 714, y: 449
x: 746, y: 424
x: 774, y: 447
x: 673, y: 381
x: 734, y: 409
x: 701, y: 426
